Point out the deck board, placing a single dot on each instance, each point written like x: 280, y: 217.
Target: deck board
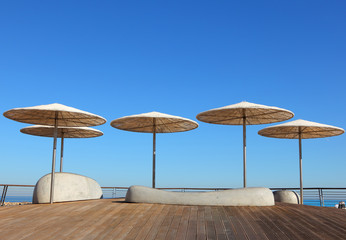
x: 115, y: 219
x: 201, y: 233
x: 161, y: 235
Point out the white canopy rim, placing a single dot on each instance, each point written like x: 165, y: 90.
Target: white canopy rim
x: 253, y: 113
x: 307, y: 129
x: 46, y: 115
x: 66, y: 132
x: 164, y: 123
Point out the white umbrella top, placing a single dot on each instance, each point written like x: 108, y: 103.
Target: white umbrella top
x: 46, y: 115
x: 253, y: 113
x: 154, y: 122
x: 66, y: 132
x: 307, y: 130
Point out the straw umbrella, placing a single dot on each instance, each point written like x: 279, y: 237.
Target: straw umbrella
x: 154, y: 122
x: 54, y: 115
x: 301, y: 129
x: 245, y: 113
x: 63, y: 132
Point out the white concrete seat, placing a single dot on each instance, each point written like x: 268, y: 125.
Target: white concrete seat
x: 286, y: 197
x: 67, y: 187
x: 233, y: 197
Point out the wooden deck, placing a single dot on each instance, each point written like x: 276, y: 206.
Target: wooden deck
x: 114, y: 219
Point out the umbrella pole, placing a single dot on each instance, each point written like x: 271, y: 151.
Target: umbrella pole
x: 300, y: 167
x: 53, y: 160
x: 154, y: 152
x: 244, y: 151
x: 62, y: 150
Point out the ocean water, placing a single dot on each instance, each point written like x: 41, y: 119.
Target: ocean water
x: 327, y: 203
x: 18, y: 199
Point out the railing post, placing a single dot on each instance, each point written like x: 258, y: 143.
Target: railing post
x: 322, y: 197
x: 114, y: 192
x: 3, y: 196
x: 319, y: 196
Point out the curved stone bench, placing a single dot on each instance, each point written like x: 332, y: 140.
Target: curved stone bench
x: 67, y: 187
x: 286, y: 196
x: 233, y: 197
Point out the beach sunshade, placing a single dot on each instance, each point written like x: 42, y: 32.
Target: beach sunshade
x: 154, y: 122
x: 54, y: 115
x: 301, y: 129
x: 48, y: 114
x: 245, y: 113
x: 63, y: 132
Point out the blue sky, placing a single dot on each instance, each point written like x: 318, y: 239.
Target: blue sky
x: 118, y: 58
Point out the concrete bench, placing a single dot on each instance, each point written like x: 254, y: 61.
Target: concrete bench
x: 233, y: 197
x: 67, y: 187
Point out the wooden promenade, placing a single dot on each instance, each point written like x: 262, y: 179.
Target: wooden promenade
x: 114, y: 219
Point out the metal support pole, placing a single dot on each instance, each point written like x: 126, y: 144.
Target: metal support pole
x: 3, y: 196
x: 322, y: 197
x: 62, y: 151
x: 300, y: 167
x: 53, y: 160
x: 114, y: 192
x: 244, y: 151
x: 154, y: 151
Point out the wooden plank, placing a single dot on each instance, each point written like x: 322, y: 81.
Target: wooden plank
x: 171, y: 234
x: 151, y: 220
x: 270, y: 233
x: 201, y: 228
x: 219, y: 229
x: 192, y: 225
x: 168, y: 224
x: 211, y: 234
x: 227, y: 225
x: 110, y: 219
x: 233, y: 218
x: 87, y: 227
x: 289, y: 227
x: 248, y: 228
x: 157, y: 224
x: 141, y: 228
x: 270, y: 222
x: 252, y: 222
x: 307, y: 223
x: 128, y: 223
x: 331, y: 226
x: 184, y: 222
x: 142, y: 220
x: 35, y: 225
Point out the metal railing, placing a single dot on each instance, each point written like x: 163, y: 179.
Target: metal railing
x: 15, y: 190
x: 114, y: 192
x: 326, y: 197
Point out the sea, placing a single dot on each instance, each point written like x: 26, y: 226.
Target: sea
x: 313, y: 202
x: 18, y: 199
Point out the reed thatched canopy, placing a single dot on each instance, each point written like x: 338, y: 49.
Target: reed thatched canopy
x: 47, y: 114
